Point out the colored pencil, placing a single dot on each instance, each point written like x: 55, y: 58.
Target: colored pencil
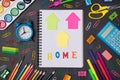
x: 96, y: 64
x: 50, y: 76
x: 21, y: 72
x: 41, y: 77
x: 17, y: 69
x: 29, y: 74
x: 91, y: 74
x: 33, y: 74
x: 21, y: 78
x: 102, y: 69
x: 93, y: 70
x: 16, y: 66
x: 26, y: 74
x: 104, y: 65
x: 40, y: 73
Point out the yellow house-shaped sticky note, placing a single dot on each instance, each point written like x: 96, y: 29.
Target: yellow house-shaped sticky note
x: 52, y: 22
x: 62, y: 39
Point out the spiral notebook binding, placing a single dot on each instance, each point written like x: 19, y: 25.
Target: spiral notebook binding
x: 40, y: 39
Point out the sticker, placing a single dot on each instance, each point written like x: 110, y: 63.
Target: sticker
x: 27, y: 1
x: 2, y: 24
x: 8, y: 18
x: 14, y: 11
x: 90, y: 39
x: 1, y: 9
x: 21, y: 5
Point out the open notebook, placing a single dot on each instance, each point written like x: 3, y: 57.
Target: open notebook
x: 61, y: 38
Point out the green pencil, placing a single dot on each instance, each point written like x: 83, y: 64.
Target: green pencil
x: 35, y: 75
x: 91, y: 74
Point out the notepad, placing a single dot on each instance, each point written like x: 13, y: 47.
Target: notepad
x: 61, y: 38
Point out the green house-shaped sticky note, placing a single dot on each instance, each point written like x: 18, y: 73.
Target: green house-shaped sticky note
x: 52, y: 22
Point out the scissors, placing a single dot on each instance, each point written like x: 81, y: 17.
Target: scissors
x: 101, y: 11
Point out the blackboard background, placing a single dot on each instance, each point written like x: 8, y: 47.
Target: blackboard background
x: 41, y: 4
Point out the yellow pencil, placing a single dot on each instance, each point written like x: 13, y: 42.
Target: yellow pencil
x: 25, y: 72
x: 92, y: 68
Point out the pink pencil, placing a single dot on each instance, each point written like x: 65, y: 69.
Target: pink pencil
x: 27, y: 73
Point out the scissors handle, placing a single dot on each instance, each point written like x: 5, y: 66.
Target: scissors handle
x: 100, y: 8
x: 97, y: 15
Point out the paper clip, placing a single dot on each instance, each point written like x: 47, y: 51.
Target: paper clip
x: 31, y: 13
x: 88, y: 26
x: 78, y: 4
x: 3, y: 67
x: 33, y: 55
x: 115, y: 73
x: 10, y: 41
x: 118, y: 61
x: 4, y: 58
x: 6, y: 34
x: 68, y: 5
x: 96, y: 23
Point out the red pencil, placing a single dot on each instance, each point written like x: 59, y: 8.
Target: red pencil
x: 102, y: 69
x: 33, y: 74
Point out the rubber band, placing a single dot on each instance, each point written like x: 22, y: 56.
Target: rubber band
x: 115, y: 73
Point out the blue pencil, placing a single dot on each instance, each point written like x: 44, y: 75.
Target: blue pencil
x: 21, y: 72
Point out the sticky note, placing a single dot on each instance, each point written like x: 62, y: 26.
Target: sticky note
x: 73, y: 20
x: 82, y: 73
x: 52, y: 22
x: 113, y: 16
x: 62, y: 39
x: 107, y: 55
x: 67, y: 77
x: 90, y: 39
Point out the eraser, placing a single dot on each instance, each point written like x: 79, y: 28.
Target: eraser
x: 9, y: 50
x: 107, y: 55
x: 67, y: 77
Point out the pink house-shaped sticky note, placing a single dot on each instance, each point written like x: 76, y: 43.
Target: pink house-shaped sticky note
x: 73, y: 21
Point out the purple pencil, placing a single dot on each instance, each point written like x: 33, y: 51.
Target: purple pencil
x: 104, y: 65
x: 96, y: 64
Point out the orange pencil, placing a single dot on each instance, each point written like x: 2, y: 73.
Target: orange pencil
x: 15, y: 68
x: 102, y: 69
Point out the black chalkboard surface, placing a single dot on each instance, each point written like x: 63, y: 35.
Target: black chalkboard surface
x: 29, y: 49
